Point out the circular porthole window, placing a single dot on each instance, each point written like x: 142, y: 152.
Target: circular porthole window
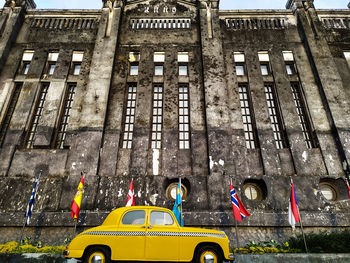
x: 171, y: 191
x: 253, y: 191
x: 328, y: 191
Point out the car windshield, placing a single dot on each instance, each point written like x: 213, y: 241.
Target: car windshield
x: 161, y: 218
x: 134, y: 218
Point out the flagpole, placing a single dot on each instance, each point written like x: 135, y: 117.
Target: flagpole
x: 236, y: 225
x: 181, y: 219
x: 302, y: 230
x: 301, y: 225
x: 26, y: 217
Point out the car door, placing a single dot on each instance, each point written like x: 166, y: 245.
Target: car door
x: 130, y: 236
x: 162, y: 237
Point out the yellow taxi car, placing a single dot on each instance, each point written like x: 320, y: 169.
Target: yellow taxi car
x: 146, y: 233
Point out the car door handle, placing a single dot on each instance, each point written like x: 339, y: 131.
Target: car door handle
x: 150, y: 226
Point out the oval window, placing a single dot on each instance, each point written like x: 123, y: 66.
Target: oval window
x: 171, y: 191
x: 328, y: 191
x: 253, y: 191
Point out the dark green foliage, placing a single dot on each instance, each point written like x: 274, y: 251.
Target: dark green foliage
x: 323, y: 242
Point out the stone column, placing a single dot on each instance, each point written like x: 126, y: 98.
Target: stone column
x: 330, y: 86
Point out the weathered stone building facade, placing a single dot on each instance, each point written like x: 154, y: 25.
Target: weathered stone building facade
x: 156, y: 90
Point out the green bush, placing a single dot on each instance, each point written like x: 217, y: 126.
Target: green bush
x: 26, y: 247
x: 323, y: 242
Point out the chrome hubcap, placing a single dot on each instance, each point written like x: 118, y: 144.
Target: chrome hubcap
x: 96, y: 259
x: 208, y: 258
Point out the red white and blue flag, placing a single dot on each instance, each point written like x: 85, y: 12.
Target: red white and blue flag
x: 239, y: 211
x: 347, y: 183
x: 293, y: 211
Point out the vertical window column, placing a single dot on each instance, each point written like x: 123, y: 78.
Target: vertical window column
x: 157, y: 117
x: 134, y: 58
x: 129, y: 117
x: 51, y: 63
x: 183, y: 59
x: 26, y: 60
x: 264, y: 63
x: 39, y: 105
x: 77, y: 59
x: 9, y: 112
x: 184, y: 117
x: 65, y: 116
x: 303, y: 116
x: 275, y: 116
x: 290, y: 63
x: 247, y: 116
x: 159, y: 58
x: 239, y: 59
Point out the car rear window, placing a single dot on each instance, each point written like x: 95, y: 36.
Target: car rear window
x: 134, y: 218
x: 159, y: 218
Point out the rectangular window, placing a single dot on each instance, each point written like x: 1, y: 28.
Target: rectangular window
x: 9, y: 112
x: 129, y: 118
x: 183, y: 59
x: 239, y: 59
x: 38, y: 110
x: 290, y: 63
x: 275, y: 116
x: 247, y: 116
x: 264, y: 63
x: 304, y: 119
x: 184, y: 118
x: 65, y: 116
x: 77, y: 59
x: 158, y: 70
x: 51, y: 62
x: 134, y: 69
x: 157, y: 117
x: 26, y: 60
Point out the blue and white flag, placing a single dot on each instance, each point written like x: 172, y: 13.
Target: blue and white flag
x: 177, y: 206
x: 31, y: 202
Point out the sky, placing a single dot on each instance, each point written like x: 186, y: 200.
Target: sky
x: 224, y: 4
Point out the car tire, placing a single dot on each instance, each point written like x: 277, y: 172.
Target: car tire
x: 210, y: 252
x: 97, y: 254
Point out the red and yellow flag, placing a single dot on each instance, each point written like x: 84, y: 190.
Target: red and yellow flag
x: 75, y: 206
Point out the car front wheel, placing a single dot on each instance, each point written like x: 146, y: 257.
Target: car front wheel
x: 208, y: 254
x: 97, y: 255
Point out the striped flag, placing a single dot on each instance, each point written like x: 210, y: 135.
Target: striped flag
x: 31, y: 202
x: 177, y: 209
x: 347, y: 184
x: 130, y: 201
x: 239, y: 211
x: 293, y: 210
x: 76, y: 204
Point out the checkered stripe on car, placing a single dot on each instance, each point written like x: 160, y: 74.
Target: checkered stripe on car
x: 153, y: 233
x: 116, y: 233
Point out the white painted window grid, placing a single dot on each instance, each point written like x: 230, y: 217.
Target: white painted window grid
x: 157, y: 117
x: 184, y: 117
x: 302, y: 114
x: 129, y: 118
x: 247, y: 116
x: 38, y: 110
x: 160, y: 23
x: 65, y: 116
x: 275, y: 116
x: 77, y: 59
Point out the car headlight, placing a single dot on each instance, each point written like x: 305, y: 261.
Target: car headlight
x: 66, y: 252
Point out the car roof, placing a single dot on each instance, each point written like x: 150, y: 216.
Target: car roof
x: 114, y: 216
